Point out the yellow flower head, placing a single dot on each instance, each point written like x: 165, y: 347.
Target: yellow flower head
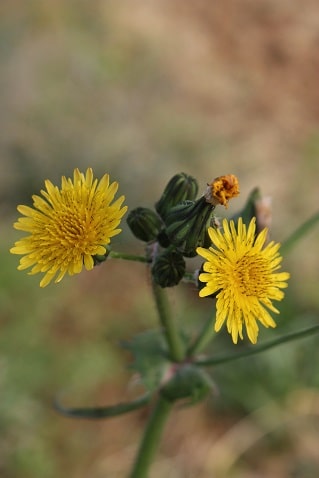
x: 68, y: 226
x: 244, y: 274
x: 222, y: 189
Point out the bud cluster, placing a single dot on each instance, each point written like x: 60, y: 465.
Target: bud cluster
x: 179, y: 224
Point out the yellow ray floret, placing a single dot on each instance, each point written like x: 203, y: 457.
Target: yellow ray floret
x: 68, y: 226
x: 245, y: 276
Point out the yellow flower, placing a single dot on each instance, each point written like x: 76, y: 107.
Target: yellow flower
x: 245, y: 277
x: 68, y: 226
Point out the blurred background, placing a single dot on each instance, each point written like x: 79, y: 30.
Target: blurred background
x: 143, y: 90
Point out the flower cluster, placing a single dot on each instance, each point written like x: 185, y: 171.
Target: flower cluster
x: 70, y: 228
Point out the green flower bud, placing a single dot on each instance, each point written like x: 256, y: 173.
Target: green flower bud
x: 180, y: 188
x: 186, y: 225
x: 144, y: 223
x: 189, y: 382
x: 163, y: 239
x: 168, y: 268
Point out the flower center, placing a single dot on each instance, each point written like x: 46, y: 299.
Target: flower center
x: 74, y: 230
x: 251, y: 276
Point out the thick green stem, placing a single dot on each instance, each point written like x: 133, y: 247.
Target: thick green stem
x: 151, y: 438
x: 174, y: 341
x: 203, y: 339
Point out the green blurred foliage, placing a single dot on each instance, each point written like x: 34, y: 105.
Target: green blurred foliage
x: 40, y: 356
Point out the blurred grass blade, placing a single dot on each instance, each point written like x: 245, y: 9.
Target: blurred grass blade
x: 259, y: 348
x: 299, y: 233
x: 103, y: 412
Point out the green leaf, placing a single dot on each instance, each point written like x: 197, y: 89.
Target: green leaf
x: 97, y: 413
x: 299, y: 233
x: 259, y: 348
x: 249, y: 209
x: 150, y: 357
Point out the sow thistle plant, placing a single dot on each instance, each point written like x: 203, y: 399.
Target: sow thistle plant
x: 71, y: 228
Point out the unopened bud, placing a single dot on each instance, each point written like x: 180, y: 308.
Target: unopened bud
x: 168, y: 268
x: 180, y: 188
x: 144, y: 223
x: 187, y: 224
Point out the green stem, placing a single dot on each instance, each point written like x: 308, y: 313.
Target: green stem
x: 128, y: 257
x: 174, y: 341
x: 204, y: 338
x: 151, y: 438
